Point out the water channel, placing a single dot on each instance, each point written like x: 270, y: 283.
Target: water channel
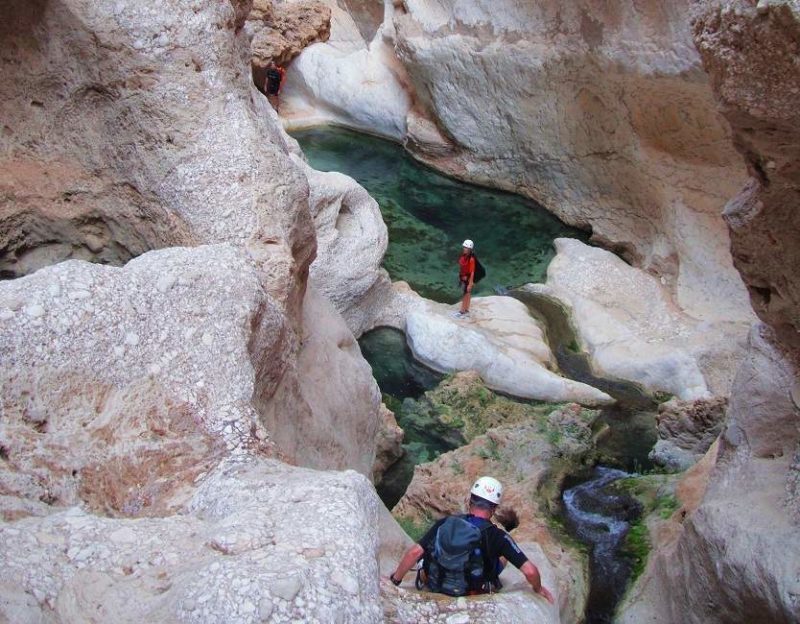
x: 428, y: 215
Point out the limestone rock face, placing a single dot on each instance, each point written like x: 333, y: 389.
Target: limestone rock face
x: 735, y: 556
x: 141, y: 406
x: 600, y: 113
x: 500, y: 340
x: 354, y: 79
x: 629, y: 325
x: 281, y: 30
x: 128, y: 129
x: 750, y: 53
x: 351, y: 241
x: 686, y: 430
x: 261, y: 541
x: 328, y: 413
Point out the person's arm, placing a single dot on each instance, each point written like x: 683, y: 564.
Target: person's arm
x: 533, y: 577
x: 471, y: 266
x: 514, y: 554
x: 408, y: 561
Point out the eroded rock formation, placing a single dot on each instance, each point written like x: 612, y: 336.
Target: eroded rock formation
x: 144, y: 406
x: 627, y: 322
x: 603, y: 114
x: 280, y: 33
x: 734, y: 557
x: 686, y: 430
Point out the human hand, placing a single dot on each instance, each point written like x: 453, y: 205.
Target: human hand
x: 543, y: 591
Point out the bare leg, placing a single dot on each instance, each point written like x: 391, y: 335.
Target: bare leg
x: 465, y: 302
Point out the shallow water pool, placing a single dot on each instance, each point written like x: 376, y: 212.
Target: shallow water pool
x: 429, y: 215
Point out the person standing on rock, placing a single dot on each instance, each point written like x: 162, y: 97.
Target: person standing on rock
x: 464, y: 555
x: 273, y: 83
x: 466, y: 276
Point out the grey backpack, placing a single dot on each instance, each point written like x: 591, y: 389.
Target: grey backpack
x: 457, y: 563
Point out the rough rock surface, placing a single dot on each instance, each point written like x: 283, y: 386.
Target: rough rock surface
x: 530, y: 460
x: 686, y: 430
x: 389, y: 444
x: 500, y: 340
x: 351, y: 241
x: 735, y: 556
x: 258, y: 540
x: 281, y: 30
x: 152, y: 137
x: 627, y: 322
x: 169, y: 362
x: 139, y: 403
x: 331, y: 403
x: 751, y: 54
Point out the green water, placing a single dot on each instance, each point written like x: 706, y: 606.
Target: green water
x: 401, y: 380
x: 429, y: 215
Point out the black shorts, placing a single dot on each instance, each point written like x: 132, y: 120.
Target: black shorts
x: 464, y: 284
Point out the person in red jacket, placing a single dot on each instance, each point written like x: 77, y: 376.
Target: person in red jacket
x: 273, y: 83
x: 466, y: 276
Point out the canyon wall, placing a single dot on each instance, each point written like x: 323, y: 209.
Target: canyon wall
x: 600, y: 111
x: 151, y: 397
x: 733, y: 557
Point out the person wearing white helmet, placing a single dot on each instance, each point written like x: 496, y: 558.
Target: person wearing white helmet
x: 491, y: 545
x: 466, y: 276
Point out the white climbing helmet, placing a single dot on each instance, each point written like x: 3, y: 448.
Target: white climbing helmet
x: 488, y: 488
x: 468, y: 244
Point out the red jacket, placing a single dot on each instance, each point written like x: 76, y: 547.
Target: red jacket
x: 466, y: 267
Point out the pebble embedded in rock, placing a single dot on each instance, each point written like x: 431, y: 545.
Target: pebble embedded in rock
x: 286, y: 588
x: 35, y: 310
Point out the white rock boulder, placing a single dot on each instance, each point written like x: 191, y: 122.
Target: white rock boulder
x: 628, y: 323
x: 350, y: 81
x: 259, y: 540
x: 499, y: 340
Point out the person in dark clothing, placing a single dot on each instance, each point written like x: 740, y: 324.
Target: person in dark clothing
x: 500, y: 546
x: 273, y: 83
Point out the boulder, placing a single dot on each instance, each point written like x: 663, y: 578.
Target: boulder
x: 628, y: 323
x: 257, y: 540
x: 499, y: 340
x: 686, y: 430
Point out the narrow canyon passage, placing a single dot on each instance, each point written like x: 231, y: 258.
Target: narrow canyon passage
x: 427, y: 215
